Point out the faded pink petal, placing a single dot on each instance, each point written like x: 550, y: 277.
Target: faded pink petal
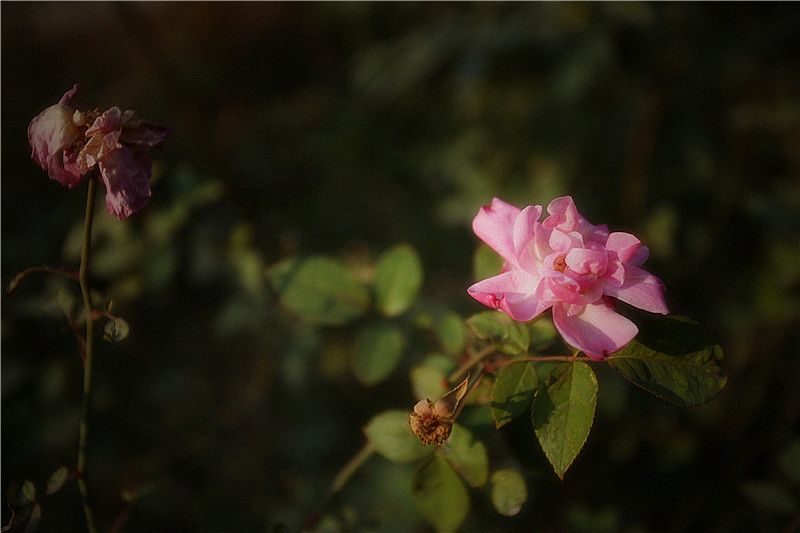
x: 564, y: 216
x: 640, y: 289
x: 624, y: 245
x: 587, y: 261
x: 512, y: 292
x: 66, y: 145
x: 51, y: 135
x: 138, y: 132
x: 525, y: 231
x: 640, y: 256
x: 126, y: 175
x: 494, y: 224
x: 68, y: 96
x: 595, y: 329
x: 118, y: 144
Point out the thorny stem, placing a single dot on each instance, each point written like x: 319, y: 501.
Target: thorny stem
x: 472, y: 387
x: 347, y: 471
x: 352, y: 466
x: 52, y: 270
x: 87, y: 361
x: 474, y: 360
x: 540, y: 358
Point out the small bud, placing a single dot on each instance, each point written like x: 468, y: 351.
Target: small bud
x: 433, y: 423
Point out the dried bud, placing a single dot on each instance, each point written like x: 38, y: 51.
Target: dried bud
x: 432, y: 423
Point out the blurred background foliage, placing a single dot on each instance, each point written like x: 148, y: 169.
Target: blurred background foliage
x: 345, y: 128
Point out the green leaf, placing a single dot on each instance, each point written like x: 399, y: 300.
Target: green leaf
x: 674, y: 359
x: 320, y: 290
x: 563, y: 412
x: 453, y: 334
x: 29, y: 491
x: 57, y: 480
x: 391, y: 435
x: 513, y: 391
x: 398, y: 278
x: 468, y: 456
x: 509, y: 336
x: 439, y: 494
x: 20, y: 495
x: 427, y: 382
x: 509, y: 492
x: 378, y: 349
x: 116, y: 330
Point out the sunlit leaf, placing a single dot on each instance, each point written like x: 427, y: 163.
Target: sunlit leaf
x: 116, y: 330
x: 509, y: 492
x: 453, y: 333
x: 674, y: 359
x: 427, y: 382
x: 440, y: 495
x: 467, y: 455
x: 509, y: 336
x: 378, y: 349
x: 391, y: 436
x: 513, y: 391
x: 57, y: 480
x: 398, y: 278
x: 319, y: 290
x: 563, y: 412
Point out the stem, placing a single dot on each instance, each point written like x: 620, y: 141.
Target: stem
x: 567, y: 358
x: 477, y: 358
x: 351, y: 467
x: 52, y: 270
x: 472, y: 387
x: 89, y: 351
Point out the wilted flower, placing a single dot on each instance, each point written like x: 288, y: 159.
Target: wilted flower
x: 570, y: 265
x: 433, y: 423
x: 69, y: 143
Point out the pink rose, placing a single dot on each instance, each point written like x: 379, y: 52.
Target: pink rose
x: 68, y: 144
x: 570, y: 265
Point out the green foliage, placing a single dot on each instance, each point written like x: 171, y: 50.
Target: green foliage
x: 509, y: 336
x: 378, y: 349
x: 509, y: 491
x: 439, y: 494
x: 467, y: 455
x: 563, y: 412
x: 390, y: 435
x: 427, y: 382
x: 398, y: 279
x: 674, y: 359
x: 57, y: 480
x: 513, y: 391
x: 453, y: 333
x: 320, y: 290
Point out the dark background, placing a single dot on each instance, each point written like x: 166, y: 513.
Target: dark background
x: 343, y: 129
